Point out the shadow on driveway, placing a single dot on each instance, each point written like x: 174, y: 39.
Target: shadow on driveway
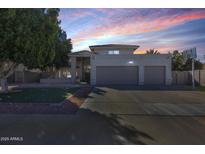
x: 85, y: 127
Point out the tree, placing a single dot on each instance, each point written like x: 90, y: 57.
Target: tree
x: 152, y: 51
x: 179, y: 63
x: 28, y: 37
x: 63, y: 47
x: 188, y: 65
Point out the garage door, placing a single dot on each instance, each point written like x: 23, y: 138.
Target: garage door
x: 116, y: 75
x: 154, y: 75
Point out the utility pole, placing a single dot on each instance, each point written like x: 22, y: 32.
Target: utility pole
x: 193, y: 79
x: 191, y: 53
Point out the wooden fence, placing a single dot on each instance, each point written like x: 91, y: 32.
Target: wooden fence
x: 185, y: 78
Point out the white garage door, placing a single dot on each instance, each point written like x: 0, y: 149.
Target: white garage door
x: 154, y: 75
x: 116, y: 75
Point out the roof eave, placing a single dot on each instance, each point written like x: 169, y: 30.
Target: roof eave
x: 132, y: 47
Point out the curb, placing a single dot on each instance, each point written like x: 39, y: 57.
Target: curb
x: 79, y: 97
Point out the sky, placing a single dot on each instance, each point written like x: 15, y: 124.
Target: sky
x: 162, y: 29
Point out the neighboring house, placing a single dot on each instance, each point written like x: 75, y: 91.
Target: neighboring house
x: 116, y: 64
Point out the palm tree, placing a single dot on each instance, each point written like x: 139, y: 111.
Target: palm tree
x: 153, y: 51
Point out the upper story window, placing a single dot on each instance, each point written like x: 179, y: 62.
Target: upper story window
x: 114, y: 52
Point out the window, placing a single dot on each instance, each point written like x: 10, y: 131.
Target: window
x: 113, y: 52
x: 110, y: 52
x: 116, y: 52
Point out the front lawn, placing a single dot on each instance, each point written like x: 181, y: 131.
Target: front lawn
x: 37, y: 95
x: 200, y: 88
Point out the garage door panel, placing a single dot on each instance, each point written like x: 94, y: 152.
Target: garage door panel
x: 116, y: 75
x: 154, y: 75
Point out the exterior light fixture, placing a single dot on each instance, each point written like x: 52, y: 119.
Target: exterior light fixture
x: 131, y: 62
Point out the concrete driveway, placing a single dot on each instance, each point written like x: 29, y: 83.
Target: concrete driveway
x: 114, y: 116
x: 132, y: 101
x: 161, y: 117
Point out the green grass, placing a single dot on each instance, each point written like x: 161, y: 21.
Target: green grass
x: 37, y: 95
x: 200, y: 88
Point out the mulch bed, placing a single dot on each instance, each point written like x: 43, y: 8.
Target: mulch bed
x: 68, y: 106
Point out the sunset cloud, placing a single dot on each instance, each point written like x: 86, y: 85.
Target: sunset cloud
x: 123, y: 27
x: 97, y: 26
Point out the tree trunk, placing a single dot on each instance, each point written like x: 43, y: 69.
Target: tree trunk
x: 4, y: 85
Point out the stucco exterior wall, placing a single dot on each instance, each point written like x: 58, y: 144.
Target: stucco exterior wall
x: 121, y: 51
x: 132, y: 60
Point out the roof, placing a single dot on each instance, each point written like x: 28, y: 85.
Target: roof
x: 82, y: 53
x: 113, y: 46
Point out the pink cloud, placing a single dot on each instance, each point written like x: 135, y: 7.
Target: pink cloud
x: 77, y: 15
x: 135, y: 24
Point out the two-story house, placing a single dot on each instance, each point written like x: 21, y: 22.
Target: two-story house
x: 116, y: 64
